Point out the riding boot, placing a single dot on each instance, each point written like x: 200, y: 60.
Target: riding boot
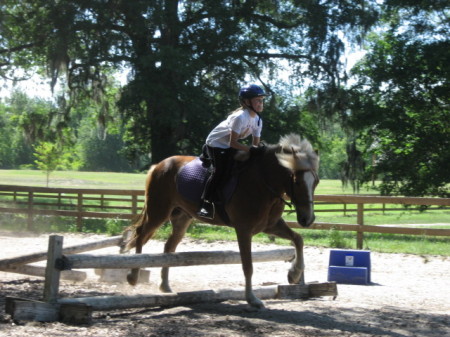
x: 207, y: 210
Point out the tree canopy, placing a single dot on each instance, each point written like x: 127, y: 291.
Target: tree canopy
x: 185, y: 61
x: 401, y: 100
x: 187, y: 58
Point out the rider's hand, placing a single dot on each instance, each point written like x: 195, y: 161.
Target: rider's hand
x: 257, y: 150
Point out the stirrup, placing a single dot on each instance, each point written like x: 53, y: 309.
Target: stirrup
x: 207, y: 210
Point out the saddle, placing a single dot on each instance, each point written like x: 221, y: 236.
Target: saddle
x: 191, y: 182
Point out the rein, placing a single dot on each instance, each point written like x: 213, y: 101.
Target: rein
x: 271, y: 190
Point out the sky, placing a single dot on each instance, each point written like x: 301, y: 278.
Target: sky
x: 40, y: 87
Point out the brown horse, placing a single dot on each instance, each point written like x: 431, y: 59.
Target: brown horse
x: 256, y: 205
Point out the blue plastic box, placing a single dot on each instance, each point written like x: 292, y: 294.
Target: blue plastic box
x: 349, y: 266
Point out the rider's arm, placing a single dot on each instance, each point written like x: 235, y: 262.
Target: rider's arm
x: 234, y: 137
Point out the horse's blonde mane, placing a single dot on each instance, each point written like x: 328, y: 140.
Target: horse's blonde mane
x: 292, y: 152
x: 297, y: 153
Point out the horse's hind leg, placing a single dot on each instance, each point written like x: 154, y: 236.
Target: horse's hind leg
x: 133, y: 276
x: 296, y: 272
x: 180, y: 222
x: 151, y: 221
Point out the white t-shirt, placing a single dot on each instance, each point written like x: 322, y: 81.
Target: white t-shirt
x: 240, y: 122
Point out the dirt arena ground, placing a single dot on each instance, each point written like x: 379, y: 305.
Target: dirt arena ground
x: 409, y: 296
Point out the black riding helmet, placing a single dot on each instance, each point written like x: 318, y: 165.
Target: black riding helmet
x: 248, y: 92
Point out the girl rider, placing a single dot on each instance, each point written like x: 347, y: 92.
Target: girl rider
x: 223, y: 141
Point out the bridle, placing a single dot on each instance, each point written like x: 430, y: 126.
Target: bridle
x: 293, y: 202
x: 293, y: 197
x: 271, y: 190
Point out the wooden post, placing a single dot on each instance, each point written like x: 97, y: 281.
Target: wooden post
x: 79, y: 210
x: 360, y: 221
x: 52, y: 274
x: 30, y: 211
x: 134, y: 204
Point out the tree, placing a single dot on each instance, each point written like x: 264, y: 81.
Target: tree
x: 401, y: 100
x: 187, y: 58
x: 101, y: 153
x: 50, y: 157
x: 23, y: 121
x: 6, y: 155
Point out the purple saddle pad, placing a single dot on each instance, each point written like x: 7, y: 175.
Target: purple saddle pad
x: 192, y: 178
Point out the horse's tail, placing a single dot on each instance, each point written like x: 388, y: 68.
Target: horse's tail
x: 131, y: 233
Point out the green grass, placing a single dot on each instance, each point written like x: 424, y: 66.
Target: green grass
x: 387, y: 243
x: 324, y: 238
x: 74, y: 179
x: 412, y: 217
x: 328, y: 186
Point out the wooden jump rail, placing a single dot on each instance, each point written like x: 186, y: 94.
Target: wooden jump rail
x: 79, y: 310
x: 20, y: 265
x: 84, y: 261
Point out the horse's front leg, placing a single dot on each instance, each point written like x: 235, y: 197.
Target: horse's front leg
x: 296, y: 273
x: 245, y: 248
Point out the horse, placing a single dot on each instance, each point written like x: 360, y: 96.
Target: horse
x: 256, y: 205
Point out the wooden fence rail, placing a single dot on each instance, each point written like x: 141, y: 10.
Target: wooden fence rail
x: 126, y: 204
x: 71, y: 202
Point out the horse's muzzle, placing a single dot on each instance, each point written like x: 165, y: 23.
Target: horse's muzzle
x: 305, y: 221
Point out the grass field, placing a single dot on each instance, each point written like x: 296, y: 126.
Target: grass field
x: 113, y: 180
x: 331, y: 238
x: 74, y: 179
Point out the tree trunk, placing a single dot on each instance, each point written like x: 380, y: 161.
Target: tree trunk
x: 163, y: 142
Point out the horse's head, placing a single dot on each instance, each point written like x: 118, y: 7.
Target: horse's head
x: 298, y: 156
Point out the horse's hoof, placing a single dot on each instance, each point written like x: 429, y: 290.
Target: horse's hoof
x: 256, y: 307
x: 256, y: 304
x: 131, y: 280
x: 295, y: 276
x: 292, y: 278
x: 165, y: 288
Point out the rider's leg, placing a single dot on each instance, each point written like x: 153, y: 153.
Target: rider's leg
x: 219, y: 158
